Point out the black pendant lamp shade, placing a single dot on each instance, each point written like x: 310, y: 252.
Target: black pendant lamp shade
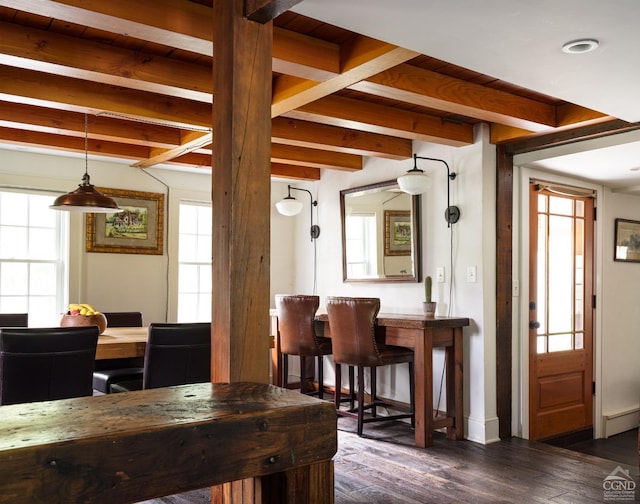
x: 85, y: 198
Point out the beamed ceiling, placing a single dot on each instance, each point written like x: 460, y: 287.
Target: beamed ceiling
x: 143, y: 75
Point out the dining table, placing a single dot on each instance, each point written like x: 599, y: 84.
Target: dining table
x: 122, y: 343
x: 422, y: 334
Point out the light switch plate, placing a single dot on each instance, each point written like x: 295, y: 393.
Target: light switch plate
x: 440, y: 274
x: 471, y: 274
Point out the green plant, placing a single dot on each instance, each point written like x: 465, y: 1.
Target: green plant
x: 427, y: 289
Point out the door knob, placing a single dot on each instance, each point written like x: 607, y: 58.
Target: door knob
x: 534, y: 324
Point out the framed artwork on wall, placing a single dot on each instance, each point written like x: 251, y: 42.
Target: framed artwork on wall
x: 137, y: 228
x: 627, y: 241
x: 397, y: 233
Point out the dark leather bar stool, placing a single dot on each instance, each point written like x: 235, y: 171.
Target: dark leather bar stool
x: 44, y: 364
x: 356, y: 342
x: 176, y: 354
x: 297, y: 336
x: 114, y: 370
x: 14, y: 319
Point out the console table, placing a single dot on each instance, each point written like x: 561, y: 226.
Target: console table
x: 422, y: 334
x: 124, y: 448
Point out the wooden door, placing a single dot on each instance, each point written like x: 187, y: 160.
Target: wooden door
x: 560, y: 312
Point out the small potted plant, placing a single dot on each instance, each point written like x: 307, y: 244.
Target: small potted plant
x: 428, y: 306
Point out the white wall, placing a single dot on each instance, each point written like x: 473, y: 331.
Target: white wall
x: 473, y: 245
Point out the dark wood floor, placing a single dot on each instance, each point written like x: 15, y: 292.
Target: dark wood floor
x: 385, y: 468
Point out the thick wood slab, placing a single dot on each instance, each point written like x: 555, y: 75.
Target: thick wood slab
x: 130, y: 447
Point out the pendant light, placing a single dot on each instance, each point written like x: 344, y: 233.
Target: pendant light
x: 85, y: 198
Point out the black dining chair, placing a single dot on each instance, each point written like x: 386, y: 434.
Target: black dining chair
x: 14, y: 319
x: 176, y: 354
x: 43, y: 364
x: 357, y: 342
x: 108, y: 371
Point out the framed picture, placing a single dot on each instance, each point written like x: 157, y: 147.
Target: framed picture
x: 627, y: 241
x: 397, y: 233
x: 137, y: 228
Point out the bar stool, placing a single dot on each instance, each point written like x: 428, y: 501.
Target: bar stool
x: 352, y: 322
x: 297, y: 336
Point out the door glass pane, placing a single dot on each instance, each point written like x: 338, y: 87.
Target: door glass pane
x: 560, y: 342
x: 542, y: 279
x: 561, y: 279
x: 542, y: 203
x: 561, y: 206
x: 579, y: 341
x: 579, y: 208
x: 542, y: 344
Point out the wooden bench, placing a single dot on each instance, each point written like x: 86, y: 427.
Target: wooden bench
x: 123, y: 448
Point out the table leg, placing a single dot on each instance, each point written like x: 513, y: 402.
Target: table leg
x: 423, y: 371
x: 453, y: 356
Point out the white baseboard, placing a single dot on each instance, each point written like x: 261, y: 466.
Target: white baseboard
x: 622, y: 421
x: 482, y: 430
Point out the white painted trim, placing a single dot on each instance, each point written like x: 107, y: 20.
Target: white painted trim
x: 483, y: 430
x: 622, y: 421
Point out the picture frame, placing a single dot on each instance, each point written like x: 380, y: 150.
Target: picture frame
x: 138, y: 228
x: 397, y: 233
x: 627, y: 241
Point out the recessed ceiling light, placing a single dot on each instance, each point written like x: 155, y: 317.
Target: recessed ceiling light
x: 580, y: 46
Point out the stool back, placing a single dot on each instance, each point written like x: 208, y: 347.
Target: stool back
x: 352, y: 322
x: 296, y: 324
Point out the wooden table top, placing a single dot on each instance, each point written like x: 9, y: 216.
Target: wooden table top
x: 122, y: 342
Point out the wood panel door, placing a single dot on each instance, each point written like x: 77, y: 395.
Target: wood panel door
x: 560, y: 312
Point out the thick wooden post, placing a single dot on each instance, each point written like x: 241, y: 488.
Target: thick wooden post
x: 241, y: 195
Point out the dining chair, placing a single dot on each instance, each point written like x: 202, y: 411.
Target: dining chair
x: 43, y: 364
x: 108, y: 371
x: 14, y: 319
x: 176, y: 354
x: 297, y: 335
x: 357, y: 341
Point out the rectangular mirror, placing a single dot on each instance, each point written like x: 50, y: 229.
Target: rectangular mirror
x: 380, y: 234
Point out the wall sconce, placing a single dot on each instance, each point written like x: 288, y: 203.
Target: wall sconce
x: 290, y: 206
x: 86, y: 198
x: 415, y: 181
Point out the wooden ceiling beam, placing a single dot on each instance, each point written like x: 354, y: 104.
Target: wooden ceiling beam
x: 385, y: 120
x: 360, y: 59
x: 73, y: 94
x: 295, y: 172
x: 321, y: 136
x: 314, y: 158
x: 72, y: 144
x: 54, y: 53
x: 64, y: 122
x: 192, y: 141
x: 425, y: 88
x: 303, y: 56
x: 174, y: 23
x: 263, y: 11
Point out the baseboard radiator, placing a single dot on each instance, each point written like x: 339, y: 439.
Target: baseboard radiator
x: 621, y: 421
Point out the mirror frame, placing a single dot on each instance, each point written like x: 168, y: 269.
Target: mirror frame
x: 415, y: 236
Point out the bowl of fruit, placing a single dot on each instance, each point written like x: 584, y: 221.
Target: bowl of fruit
x: 83, y: 315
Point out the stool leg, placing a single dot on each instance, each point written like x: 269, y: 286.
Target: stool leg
x: 338, y: 385
x: 360, y: 399
x: 303, y: 374
x: 285, y: 370
x: 374, y: 391
x: 351, y: 387
x: 320, y: 378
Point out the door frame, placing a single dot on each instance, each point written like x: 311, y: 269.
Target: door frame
x: 520, y: 329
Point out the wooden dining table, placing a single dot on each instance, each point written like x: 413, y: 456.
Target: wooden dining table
x: 122, y: 342
x: 422, y: 334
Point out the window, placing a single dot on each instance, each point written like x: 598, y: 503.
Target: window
x: 361, y: 245
x: 194, y: 263
x: 33, y: 257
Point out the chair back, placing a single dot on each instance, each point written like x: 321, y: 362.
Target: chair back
x: 123, y: 319
x: 177, y: 354
x: 296, y: 324
x: 44, y: 364
x: 352, y: 322
x: 14, y: 319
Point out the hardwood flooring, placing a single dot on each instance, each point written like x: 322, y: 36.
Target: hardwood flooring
x: 384, y: 467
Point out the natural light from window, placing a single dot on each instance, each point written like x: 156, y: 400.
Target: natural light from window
x: 33, y: 256
x: 194, y: 263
